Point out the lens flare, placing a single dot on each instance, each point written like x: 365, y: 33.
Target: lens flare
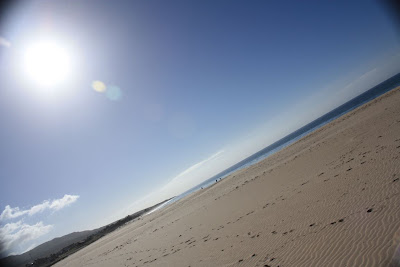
x: 99, y: 86
x: 114, y: 93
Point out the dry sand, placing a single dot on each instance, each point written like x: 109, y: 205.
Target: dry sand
x: 330, y: 199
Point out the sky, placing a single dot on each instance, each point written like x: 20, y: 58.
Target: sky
x: 158, y: 96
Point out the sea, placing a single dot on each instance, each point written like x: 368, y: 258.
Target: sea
x: 354, y: 103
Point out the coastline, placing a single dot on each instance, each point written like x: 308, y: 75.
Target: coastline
x: 329, y: 199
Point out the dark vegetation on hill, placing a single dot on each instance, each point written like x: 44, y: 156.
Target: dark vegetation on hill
x: 59, y: 248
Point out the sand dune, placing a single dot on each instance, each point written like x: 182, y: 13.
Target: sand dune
x: 330, y: 199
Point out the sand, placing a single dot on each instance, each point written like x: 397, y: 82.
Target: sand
x: 330, y: 199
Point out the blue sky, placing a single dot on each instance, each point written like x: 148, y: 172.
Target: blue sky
x: 201, y: 85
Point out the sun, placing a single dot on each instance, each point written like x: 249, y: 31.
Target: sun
x: 47, y: 63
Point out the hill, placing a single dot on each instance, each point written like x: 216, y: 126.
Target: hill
x: 47, y: 248
x: 58, y: 248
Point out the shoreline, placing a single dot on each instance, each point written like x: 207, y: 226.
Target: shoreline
x: 328, y: 199
x: 346, y: 108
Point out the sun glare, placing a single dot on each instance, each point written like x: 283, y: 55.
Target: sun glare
x: 47, y: 63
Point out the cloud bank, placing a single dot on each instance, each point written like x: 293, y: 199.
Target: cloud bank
x: 14, y: 235
x: 57, y: 204
x: 197, y: 165
x: 18, y: 233
x: 188, y: 178
x: 193, y: 175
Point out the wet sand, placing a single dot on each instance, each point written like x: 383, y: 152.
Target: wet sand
x: 330, y: 199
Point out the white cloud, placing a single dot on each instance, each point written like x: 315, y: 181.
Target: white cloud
x: 10, y: 213
x: 18, y: 233
x: 39, y: 208
x: 4, y: 42
x: 57, y: 204
x: 63, y: 202
x: 197, y: 165
x: 190, y: 177
x: 185, y: 180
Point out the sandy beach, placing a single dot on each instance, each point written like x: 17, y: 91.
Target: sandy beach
x: 330, y: 199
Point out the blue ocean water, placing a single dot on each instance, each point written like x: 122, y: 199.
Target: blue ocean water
x: 365, y: 97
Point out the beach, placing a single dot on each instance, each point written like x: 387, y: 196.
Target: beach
x: 330, y: 199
